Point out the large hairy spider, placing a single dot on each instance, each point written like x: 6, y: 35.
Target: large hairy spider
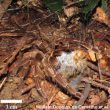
x: 37, y: 60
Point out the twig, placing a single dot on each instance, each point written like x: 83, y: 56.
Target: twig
x: 10, y: 34
x: 95, y: 68
x: 28, y: 88
x: 14, y: 55
x: 105, y: 82
x: 3, y: 82
x: 96, y: 84
x: 96, y: 56
x: 9, y: 62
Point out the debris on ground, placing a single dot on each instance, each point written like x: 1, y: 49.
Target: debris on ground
x: 55, y: 54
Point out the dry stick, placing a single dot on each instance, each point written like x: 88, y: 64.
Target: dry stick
x: 103, y: 82
x: 28, y: 88
x: 3, y: 82
x: 92, y: 66
x: 15, y: 53
x: 96, y: 56
x: 4, y: 69
x: 98, y: 68
x: 10, y: 34
x: 96, y: 84
x: 84, y: 96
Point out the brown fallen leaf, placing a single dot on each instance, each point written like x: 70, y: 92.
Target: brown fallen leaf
x: 70, y: 11
x: 29, y: 81
x: 92, y: 55
x: 94, y: 99
x: 62, y: 98
x: 103, y: 96
x: 80, y: 54
x: 105, y: 63
x: 101, y: 16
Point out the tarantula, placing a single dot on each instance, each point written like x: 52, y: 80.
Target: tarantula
x: 35, y: 60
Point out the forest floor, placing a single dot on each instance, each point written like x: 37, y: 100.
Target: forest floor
x: 35, y: 65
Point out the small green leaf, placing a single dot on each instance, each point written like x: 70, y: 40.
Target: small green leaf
x: 104, y: 4
x: 90, y: 6
x: 54, y: 5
